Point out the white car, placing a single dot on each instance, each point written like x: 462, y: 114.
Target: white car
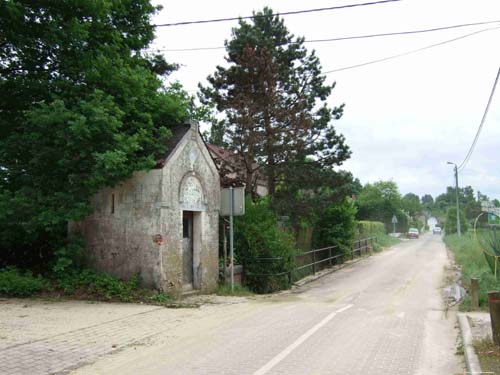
x: 436, y: 230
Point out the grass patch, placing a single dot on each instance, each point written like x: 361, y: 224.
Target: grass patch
x: 473, y: 264
x: 225, y: 290
x: 384, y: 240
x: 488, y: 354
x: 83, y: 284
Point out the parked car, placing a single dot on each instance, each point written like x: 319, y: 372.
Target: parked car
x: 436, y: 230
x: 412, y: 233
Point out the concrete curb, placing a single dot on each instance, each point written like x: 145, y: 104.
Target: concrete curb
x: 471, y: 361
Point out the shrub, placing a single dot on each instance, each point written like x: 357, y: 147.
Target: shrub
x: 14, y: 283
x: 265, y: 250
x: 336, y: 227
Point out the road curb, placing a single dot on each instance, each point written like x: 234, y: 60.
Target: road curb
x: 471, y: 361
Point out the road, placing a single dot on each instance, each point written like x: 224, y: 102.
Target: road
x: 382, y: 315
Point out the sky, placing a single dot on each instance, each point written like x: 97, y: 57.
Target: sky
x: 404, y: 118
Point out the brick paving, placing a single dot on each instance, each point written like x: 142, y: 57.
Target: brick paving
x: 66, y: 351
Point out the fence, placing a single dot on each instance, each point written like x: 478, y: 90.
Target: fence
x: 309, y: 262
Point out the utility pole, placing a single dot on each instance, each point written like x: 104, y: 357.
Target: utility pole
x: 456, y: 191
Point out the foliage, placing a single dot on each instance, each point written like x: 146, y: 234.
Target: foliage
x: 473, y: 264
x: 450, y: 225
x: 14, y: 283
x: 263, y: 248
x: 411, y: 203
x: 449, y: 199
x: 160, y: 298
x: 239, y: 290
x: 81, y: 107
x: 99, y: 285
x: 380, y: 201
x: 274, y: 100
x: 337, y: 227
x: 306, y: 194
x: 427, y: 199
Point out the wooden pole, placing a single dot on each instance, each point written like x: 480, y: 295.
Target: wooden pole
x: 474, y: 294
x: 494, y: 304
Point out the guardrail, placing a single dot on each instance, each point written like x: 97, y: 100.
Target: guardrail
x: 312, y: 261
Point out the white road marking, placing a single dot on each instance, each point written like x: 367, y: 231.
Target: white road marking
x: 273, y: 362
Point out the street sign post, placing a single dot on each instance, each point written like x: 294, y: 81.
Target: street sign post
x: 394, y: 221
x: 232, y: 204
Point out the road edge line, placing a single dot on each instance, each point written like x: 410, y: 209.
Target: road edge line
x: 294, y: 345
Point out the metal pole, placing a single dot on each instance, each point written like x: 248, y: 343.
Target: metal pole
x: 224, y: 247
x: 458, y: 208
x: 231, y: 235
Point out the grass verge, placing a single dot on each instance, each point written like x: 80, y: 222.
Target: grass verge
x: 240, y: 291
x: 473, y: 264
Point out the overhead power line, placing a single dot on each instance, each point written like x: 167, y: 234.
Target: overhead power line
x: 183, y: 23
x: 409, y: 52
x: 352, y: 37
x: 474, y: 142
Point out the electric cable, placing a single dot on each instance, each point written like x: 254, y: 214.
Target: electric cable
x: 474, y: 142
x: 183, y: 23
x: 352, y: 37
x: 409, y: 52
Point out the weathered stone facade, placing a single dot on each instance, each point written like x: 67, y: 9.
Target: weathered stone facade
x: 162, y: 224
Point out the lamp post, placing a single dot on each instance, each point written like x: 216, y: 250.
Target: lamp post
x: 456, y: 191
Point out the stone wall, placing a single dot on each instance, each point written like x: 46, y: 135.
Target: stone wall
x: 120, y: 235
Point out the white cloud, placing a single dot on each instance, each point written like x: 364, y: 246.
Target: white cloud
x: 404, y: 118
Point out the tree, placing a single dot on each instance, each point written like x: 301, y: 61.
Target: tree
x: 379, y: 202
x: 427, y: 199
x: 411, y: 204
x: 81, y: 107
x: 273, y: 97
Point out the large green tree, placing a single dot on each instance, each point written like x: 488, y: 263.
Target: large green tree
x: 411, y: 203
x: 81, y: 107
x: 274, y: 100
x: 379, y: 202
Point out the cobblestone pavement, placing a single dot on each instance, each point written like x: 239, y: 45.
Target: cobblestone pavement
x: 382, y: 315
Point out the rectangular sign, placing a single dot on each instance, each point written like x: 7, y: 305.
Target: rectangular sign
x: 239, y: 201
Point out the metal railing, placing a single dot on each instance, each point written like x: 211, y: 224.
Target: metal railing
x: 312, y: 261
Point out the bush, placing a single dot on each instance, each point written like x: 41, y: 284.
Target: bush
x: 265, y: 250
x: 14, y: 283
x: 336, y: 227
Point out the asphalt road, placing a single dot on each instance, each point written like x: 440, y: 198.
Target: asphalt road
x: 382, y: 315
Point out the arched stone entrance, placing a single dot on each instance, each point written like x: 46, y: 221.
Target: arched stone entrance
x: 192, y: 204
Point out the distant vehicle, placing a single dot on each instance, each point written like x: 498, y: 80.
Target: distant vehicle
x: 413, y: 233
x: 436, y: 230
